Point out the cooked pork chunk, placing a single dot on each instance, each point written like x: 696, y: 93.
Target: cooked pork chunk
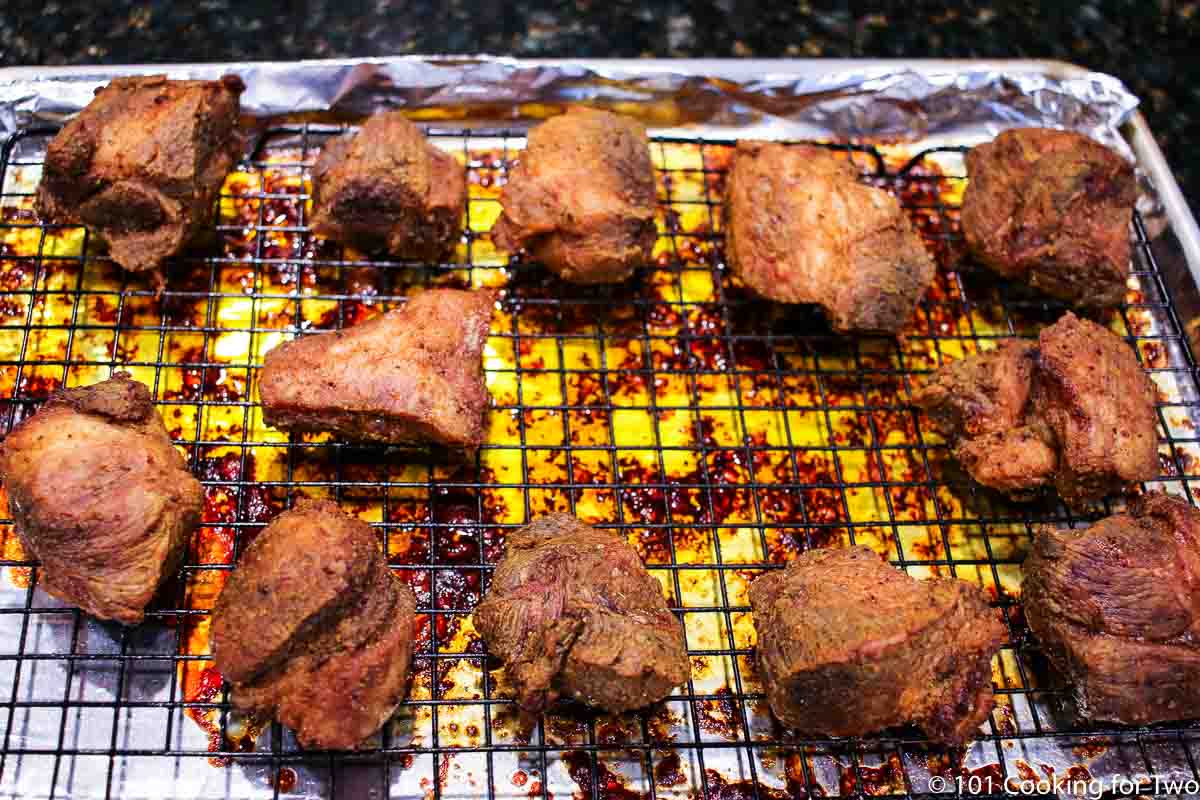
x: 1052, y: 209
x: 99, y: 494
x: 848, y: 645
x: 1076, y: 412
x: 1100, y: 405
x: 573, y: 613
x: 313, y: 628
x: 987, y: 393
x: 800, y: 228
x: 142, y: 164
x: 1115, y: 608
x: 388, y: 188
x: 982, y: 404
x: 412, y: 375
x: 581, y: 200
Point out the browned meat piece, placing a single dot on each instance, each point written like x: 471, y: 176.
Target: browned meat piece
x: 800, y: 228
x: 1076, y: 412
x: 573, y: 613
x: 1100, y: 405
x: 388, y: 188
x: 581, y: 200
x: 412, y: 375
x: 313, y: 628
x: 1115, y: 608
x: 142, y: 164
x: 1052, y: 209
x: 1016, y: 462
x: 99, y: 494
x: 848, y: 645
x: 984, y: 394
x: 982, y: 405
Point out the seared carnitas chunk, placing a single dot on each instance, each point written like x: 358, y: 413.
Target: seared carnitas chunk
x: 1075, y: 412
x: 801, y: 228
x: 389, y: 188
x: 412, y: 375
x: 142, y: 164
x: 1116, y: 608
x: 581, y: 200
x: 101, y: 497
x: 1052, y: 209
x: 1099, y: 403
x: 572, y: 613
x: 849, y: 645
x: 983, y: 404
x: 314, y: 630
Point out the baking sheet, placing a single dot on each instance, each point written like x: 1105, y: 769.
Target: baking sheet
x: 98, y: 711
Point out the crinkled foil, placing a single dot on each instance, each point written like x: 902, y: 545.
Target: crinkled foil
x: 877, y: 102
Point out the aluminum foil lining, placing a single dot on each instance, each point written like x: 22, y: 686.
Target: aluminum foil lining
x: 881, y: 103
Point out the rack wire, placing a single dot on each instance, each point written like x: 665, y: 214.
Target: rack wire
x: 720, y: 434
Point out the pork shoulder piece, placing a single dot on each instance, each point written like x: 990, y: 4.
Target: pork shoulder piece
x: 387, y: 187
x: 101, y: 497
x: 982, y: 405
x: 573, y: 613
x: 313, y: 629
x: 412, y: 375
x: 987, y: 393
x: 1100, y: 405
x: 849, y: 645
x: 1052, y: 209
x: 142, y: 164
x: 1115, y: 607
x: 1075, y: 412
x: 801, y: 228
x: 582, y: 198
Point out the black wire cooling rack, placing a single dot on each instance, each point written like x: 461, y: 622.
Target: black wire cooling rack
x: 721, y: 434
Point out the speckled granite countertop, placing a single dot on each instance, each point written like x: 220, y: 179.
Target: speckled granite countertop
x: 1147, y: 44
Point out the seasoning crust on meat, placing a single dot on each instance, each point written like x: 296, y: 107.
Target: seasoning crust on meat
x: 412, y: 375
x: 313, y: 629
x: 849, y: 645
x: 801, y: 228
x: 99, y: 494
x: 142, y: 164
x: 1052, y: 209
x: 1115, y: 608
x: 1100, y: 405
x: 582, y: 198
x: 387, y: 187
x: 1075, y: 412
x: 983, y: 404
x: 573, y: 613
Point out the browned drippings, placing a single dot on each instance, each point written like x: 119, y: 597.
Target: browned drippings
x: 949, y: 764
x: 887, y: 778
x: 285, y: 780
x: 722, y: 715
x: 720, y: 788
x: 204, y: 686
x: 669, y: 770
x: 607, y: 784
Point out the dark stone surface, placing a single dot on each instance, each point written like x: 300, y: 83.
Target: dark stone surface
x: 1148, y: 44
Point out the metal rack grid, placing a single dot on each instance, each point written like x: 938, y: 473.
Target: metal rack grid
x: 720, y: 434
